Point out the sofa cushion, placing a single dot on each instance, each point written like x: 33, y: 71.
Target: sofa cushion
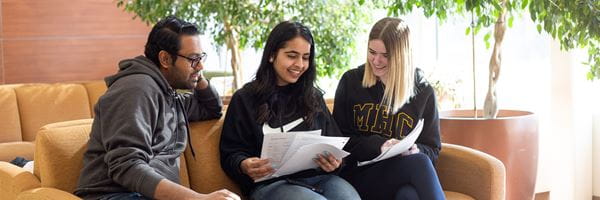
x: 44, y: 193
x: 41, y: 104
x: 457, y: 196
x: 14, y: 180
x: 205, y: 172
x: 10, y: 150
x: 10, y: 124
x: 59, y: 155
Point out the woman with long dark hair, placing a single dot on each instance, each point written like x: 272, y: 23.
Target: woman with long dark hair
x: 282, y: 92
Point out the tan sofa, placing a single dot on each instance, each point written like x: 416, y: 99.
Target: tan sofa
x: 464, y: 173
x: 24, y: 108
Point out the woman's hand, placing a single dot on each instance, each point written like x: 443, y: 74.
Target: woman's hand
x: 388, y: 144
x: 327, y: 162
x: 414, y: 149
x: 256, y: 168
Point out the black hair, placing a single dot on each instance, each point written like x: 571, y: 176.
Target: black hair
x: 304, y: 95
x: 165, y: 35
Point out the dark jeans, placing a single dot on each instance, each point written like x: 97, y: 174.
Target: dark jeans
x: 400, y: 177
x: 328, y: 187
x: 124, y: 196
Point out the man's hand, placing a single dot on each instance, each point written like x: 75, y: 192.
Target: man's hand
x: 256, y: 168
x: 202, y: 82
x: 220, y: 195
x: 327, y: 162
x: 414, y: 149
x: 170, y: 190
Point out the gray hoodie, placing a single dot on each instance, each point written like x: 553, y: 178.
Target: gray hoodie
x: 139, y: 131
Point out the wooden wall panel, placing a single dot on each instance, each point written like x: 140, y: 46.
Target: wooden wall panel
x: 60, y: 18
x: 66, y: 59
x: 65, y: 40
x: 1, y: 62
x: 1, y: 47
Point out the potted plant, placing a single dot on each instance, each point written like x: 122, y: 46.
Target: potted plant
x: 508, y: 134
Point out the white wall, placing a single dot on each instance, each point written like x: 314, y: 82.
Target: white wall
x: 596, y: 150
x: 596, y: 140
x: 570, y: 130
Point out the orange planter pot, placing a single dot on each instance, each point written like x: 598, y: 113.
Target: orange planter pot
x: 512, y: 138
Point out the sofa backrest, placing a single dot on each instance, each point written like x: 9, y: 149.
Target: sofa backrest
x: 24, y: 108
x: 41, y: 104
x: 206, y: 174
x: 10, y: 126
x: 95, y: 89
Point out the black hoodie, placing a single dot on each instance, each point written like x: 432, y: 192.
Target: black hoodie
x: 358, y: 114
x: 139, y: 131
x: 242, y: 135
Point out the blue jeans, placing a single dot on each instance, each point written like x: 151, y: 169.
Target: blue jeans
x: 402, y: 177
x: 314, y: 188
x: 124, y: 196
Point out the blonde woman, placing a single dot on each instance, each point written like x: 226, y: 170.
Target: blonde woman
x: 376, y: 105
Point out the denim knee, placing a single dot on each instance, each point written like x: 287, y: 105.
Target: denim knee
x: 282, y: 190
x: 407, y: 192
x: 335, y: 188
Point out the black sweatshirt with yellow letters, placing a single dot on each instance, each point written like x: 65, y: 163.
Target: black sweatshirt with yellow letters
x: 361, y: 116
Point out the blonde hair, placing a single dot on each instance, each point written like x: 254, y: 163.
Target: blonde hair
x: 399, y: 86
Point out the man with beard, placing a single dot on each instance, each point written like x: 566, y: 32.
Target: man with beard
x: 141, y: 123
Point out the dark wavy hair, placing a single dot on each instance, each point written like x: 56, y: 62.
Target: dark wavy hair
x: 165, y: 35
x: 304, y: 94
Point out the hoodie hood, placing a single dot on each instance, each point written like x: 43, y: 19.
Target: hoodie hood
x: 140, y: 65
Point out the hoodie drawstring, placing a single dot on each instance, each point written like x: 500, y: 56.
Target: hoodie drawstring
x: 187, y: 127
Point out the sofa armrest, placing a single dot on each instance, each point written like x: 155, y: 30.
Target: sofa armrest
x: 471, y: 172
x: 14, y: 180
x: 46, y: 194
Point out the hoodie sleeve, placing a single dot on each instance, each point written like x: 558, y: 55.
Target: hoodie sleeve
x: 429, y: 141
x: 361, y: 147
x: 126, y: 123
x: 238, y: 141
x: 203, y: 104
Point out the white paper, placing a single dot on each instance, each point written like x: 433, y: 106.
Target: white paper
x: 399, y: 147
x: 313, y: 137
x: 303, y: 158
x: 298, y: 148
x: 275, y: 146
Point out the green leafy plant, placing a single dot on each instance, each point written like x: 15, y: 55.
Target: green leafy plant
x: 240, y: 24
x: 575, y: 23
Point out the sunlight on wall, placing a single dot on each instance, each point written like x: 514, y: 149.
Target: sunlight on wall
x: 596, y: 149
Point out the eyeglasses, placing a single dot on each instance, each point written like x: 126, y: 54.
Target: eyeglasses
x: 195, y: 61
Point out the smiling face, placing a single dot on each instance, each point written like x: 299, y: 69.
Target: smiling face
x: 181, y: 74
x: 378, y: 58
x: 291, y: 61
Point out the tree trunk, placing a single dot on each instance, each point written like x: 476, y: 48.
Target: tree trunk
x: 490, y: 108
x: 233, y: 46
